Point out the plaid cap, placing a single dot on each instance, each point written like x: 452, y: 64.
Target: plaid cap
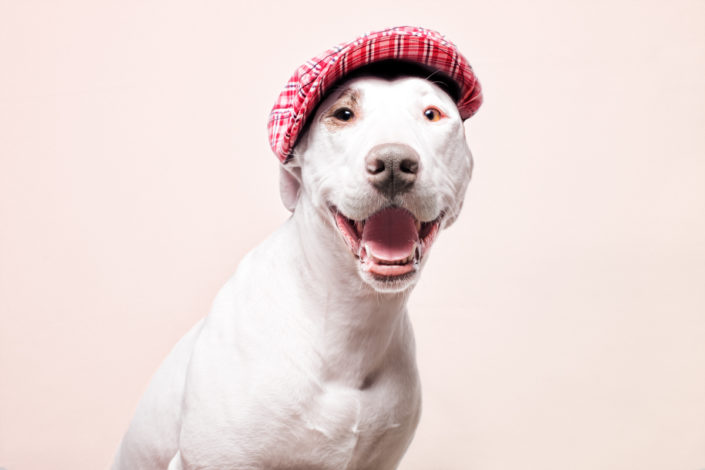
x: 310, y: 82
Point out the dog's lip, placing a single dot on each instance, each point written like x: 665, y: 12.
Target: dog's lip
x: 379, y: 267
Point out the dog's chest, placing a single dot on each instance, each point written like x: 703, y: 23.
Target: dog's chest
x: 312, y: 427
x: 340, y: 427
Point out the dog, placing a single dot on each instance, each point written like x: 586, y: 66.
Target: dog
x: 307, y: 358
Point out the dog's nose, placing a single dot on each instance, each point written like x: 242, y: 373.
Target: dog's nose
x: 392, y: 168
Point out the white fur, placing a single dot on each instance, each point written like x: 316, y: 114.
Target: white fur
x: 305, y: 360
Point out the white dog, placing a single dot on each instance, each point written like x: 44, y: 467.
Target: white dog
x: 306, y: 360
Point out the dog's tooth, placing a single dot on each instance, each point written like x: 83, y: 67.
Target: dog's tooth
x: 418, y: 225
x: 359, y: 225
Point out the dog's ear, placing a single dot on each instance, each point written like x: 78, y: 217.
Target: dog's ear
x: 289, y: 184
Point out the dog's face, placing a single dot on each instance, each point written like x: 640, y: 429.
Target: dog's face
x: 387, y: 164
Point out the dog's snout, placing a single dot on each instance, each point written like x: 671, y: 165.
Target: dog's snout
x: 392, y: 168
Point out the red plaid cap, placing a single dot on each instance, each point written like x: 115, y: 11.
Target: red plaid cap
x: 313, y: 79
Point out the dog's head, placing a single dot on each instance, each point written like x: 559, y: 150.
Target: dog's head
x: 385, y: 162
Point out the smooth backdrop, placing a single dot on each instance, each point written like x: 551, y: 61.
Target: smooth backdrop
x: 560, y: 323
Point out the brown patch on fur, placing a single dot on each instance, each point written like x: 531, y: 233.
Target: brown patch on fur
x: 348, y: 98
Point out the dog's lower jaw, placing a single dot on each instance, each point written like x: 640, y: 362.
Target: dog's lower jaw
x: 388, y: 284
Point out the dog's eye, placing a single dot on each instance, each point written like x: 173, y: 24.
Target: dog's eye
x: 432, y: 114
x: 343, y: 114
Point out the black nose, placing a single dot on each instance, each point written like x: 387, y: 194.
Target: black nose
x: 392, y: 168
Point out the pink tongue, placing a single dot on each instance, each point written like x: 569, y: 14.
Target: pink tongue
x: 390, y: 234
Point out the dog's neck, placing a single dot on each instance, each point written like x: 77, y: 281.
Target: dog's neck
x: 356, y: 327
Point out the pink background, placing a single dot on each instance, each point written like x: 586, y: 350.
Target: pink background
x: 560, y: 323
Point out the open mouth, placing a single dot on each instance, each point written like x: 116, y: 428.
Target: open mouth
x: 390, y: 243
